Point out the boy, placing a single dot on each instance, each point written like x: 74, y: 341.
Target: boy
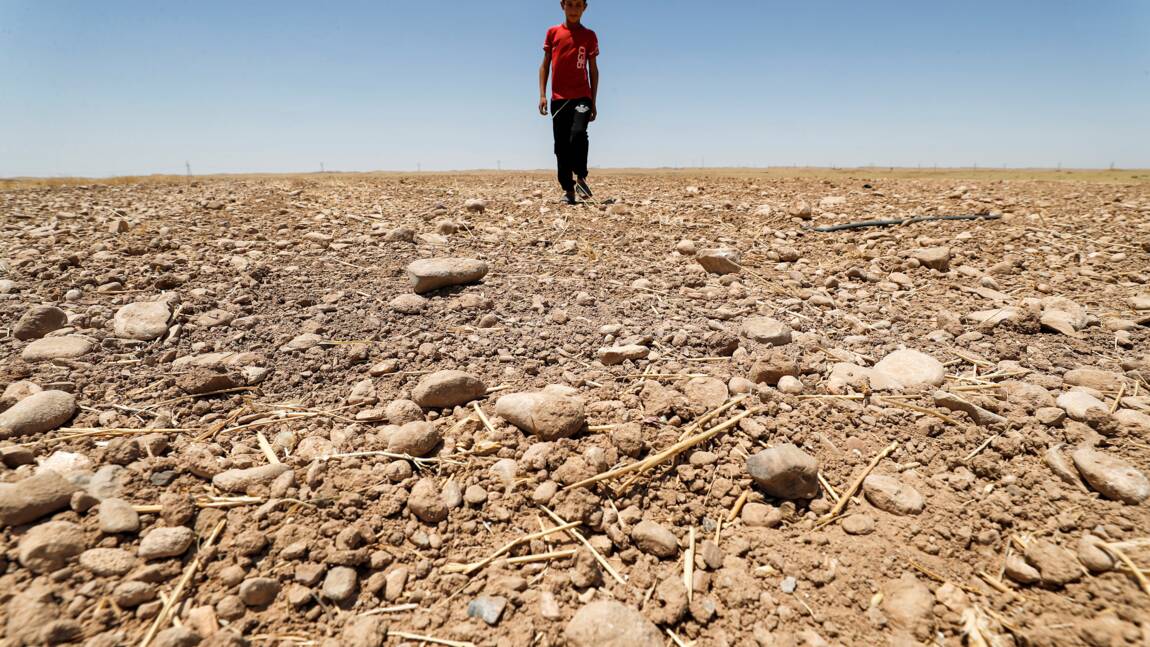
x: 570, y: 54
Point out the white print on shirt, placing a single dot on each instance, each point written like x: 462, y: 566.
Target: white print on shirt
x: 582, y: 62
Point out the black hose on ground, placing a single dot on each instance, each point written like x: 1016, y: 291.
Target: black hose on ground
x: 901, y: 221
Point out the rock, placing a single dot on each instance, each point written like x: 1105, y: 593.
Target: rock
x: 400, y: 235
x: 488, y: 608
x: 50, y: 546
x: 706, y: 392
x: 1050, y: 416
x: 936, y: 258
x: 365, y: 631
x: 117, y: 515
x: 17, y: 391
x: 1140, y: 302
x: 686, y: 247
x: 548, y: 416
x: 305, y: 341
x: 408, y: 304
x: 800, y: 209
x: 105, y: 562
x: 259, y: 591
x: 719, y: 261
x: 1094, y: 379
x: 132, y: 593
x: 38, y: 321
x: 1079, y: 405
x: 1093, y: 556
x: 34, y: 497
x: 199, y: 380
x: 340, y: 584
x: 766, y: 331
x: 911, y: 369
x: 607, y: 623
x: 1111, y: 477
x: 1018, y: 570
x: 772, y: 368
x: 891, y: 495
x: 179, y: 636
x: 239, y: 481
x: 475, y: 205
x: 654, y: 539
x: 1056, y: 566
x: 444, y: 389
x: 618, y: 354
x: 760, y: 515
x: 417, y: 439
x: 1058, y: 464
x: 990, y: 319
x: 858, y: 524
x: 908, y: 604
x: 37, y: 413
x: 401, y: 412
x: 143, y: 321
x: 790, y: 385
x: 785, y: 472
x: 15, y: 456
x: 425, y: 502
x: 166, y: 542
x: 432, y: 274
x: 977, y: 414
x: 1063, y: 315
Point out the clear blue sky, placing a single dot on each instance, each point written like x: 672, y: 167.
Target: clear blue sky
x: 134, y: 86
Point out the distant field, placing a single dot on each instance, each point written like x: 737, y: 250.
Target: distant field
x: 1117, y: 176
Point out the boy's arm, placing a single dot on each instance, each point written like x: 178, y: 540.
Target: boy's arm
x: 544, y: 72
x: 594, y: 69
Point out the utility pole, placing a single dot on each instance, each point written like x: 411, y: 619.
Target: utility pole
x: 188, y: 168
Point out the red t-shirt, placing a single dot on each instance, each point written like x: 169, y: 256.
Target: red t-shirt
x: 570, y: 51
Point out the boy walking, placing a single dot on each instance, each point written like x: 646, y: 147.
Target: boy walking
x: 570, y: 55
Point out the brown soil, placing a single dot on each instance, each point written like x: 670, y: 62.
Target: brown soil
x: 288, y: 256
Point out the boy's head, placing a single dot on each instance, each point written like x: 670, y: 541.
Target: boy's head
x: 573, y: 9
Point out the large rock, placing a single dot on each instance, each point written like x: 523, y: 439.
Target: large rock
x: 444, y: 389
x: 611, y: 624
x: 908, y: 603
x: 719, y: 261
x: 37, y: 413
x: 785, y: 472
x: 616, y: 355
x: 766, y: 331
x: 1056, y: 566
x: 415, y: 438
x: 954, y: 402
x: 1079, y: 405
x: 891, y: 495
x: 1111, y: 477
x: 239, y: 481
x: 654, y: 539
x: 50, y: 546
x: 546, y: 415
x: 50, y: 348
x: 166, y: 542
x: 144, y: 321
x: 434, y: 273
x: 936, y: 258
x: 426, y: 503
x: 912, y: 369
x: 39, y: 321
x: 1093, y: 378
x: 34, y: 497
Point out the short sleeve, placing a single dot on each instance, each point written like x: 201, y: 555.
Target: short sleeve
x: 548, y: 41
x: 594, y: 45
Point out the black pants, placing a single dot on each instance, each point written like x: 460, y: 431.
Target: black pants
x: 569, y: 118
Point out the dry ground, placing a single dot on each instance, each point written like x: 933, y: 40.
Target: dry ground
x: 249, y: 265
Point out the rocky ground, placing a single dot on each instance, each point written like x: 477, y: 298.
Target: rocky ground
x: 386, y: 410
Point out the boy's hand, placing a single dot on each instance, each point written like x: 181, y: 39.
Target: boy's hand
x: 543, y: 106
x: 594, y: 112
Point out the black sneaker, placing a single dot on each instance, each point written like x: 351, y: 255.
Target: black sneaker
x: 570, y: 199
x: 581, y: 185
